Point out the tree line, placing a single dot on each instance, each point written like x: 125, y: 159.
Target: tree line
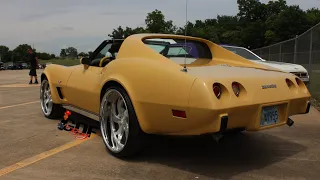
x: 255, y: 25
x: 19, y: 53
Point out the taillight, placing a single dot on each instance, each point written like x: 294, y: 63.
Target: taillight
x: 236, y: 88
x: 298, y: 81
x: 178, y: 113
x: 217, y: 90
x: 289, y: 83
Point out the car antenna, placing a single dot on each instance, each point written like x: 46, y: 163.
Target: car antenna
x: 185, y: 40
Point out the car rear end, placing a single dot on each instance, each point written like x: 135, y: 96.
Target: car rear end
x: 245, y: 98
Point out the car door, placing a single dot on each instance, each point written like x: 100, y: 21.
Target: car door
x: 83, y: 86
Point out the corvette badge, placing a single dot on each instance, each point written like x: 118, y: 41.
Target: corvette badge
x: 268, y: 86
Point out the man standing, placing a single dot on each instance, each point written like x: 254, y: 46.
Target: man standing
x: 33, y: 60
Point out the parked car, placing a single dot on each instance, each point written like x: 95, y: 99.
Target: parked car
x: 295, y: 69
x: 148, y: 88
x: 2, y: 66
x: 13, y: 67
x: 25, y: 66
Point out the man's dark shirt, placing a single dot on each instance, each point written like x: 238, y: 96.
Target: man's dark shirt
x: 32, y: 60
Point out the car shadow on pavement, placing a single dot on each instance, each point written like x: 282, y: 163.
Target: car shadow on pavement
x: 232, y: 156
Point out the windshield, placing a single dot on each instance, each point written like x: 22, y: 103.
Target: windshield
x: 242, y: 52
x: 177, y: 49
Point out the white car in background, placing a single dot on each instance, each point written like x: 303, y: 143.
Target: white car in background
x: 296, y: 69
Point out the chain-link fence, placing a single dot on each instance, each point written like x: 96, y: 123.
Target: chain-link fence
x: 303, y: 50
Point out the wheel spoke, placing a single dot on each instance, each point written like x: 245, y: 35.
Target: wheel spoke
x: 46, y: 99
x: 125, y: 123
x: 118, y: 142
x: 114, y: 116
x: 114, y: 121
x: 113, y: 141
x: 120, y: 131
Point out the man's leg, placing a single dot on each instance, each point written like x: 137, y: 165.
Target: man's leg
x: 30, y: 74
x: 35, y: 76
x: 35, y: 79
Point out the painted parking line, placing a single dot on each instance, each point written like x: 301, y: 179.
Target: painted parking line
x: 22, y: 104
x: 41, y: 156
x: 19, y: 85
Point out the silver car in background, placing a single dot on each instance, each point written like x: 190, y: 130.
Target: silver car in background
x: 296, y: 69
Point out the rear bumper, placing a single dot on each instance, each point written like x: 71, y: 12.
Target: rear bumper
x: 224, y: 120
x: 205, y: 121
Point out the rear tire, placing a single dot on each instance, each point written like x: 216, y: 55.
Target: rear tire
x: 119, y: 125
x: 49, y: 109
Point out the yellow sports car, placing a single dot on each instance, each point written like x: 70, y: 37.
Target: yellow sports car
x: 170, y: 85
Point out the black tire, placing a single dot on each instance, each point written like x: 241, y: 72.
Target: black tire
x: 56, y: 109
x: 136, y: 137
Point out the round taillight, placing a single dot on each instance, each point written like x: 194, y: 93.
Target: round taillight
x: 289, y: 83
x: 217, y: 90
x: 236, y: 88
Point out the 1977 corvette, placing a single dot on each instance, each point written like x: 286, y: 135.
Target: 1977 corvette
x: 170, y: 85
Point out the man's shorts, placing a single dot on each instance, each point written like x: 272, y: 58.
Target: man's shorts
x: 33, y: 71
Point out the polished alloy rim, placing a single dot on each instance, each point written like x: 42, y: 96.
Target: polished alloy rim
x: 45, y: 98
x: 114, y: 120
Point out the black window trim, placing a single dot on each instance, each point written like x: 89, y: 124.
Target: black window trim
x: 103, y: 45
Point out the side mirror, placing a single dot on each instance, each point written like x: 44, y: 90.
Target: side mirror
x: 85, y: 61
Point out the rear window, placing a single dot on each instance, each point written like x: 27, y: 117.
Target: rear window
x: 178, y: 49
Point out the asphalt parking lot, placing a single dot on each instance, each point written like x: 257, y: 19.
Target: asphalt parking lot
x: 33, y: 148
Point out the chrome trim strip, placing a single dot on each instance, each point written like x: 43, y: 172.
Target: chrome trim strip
x: 83, y: 112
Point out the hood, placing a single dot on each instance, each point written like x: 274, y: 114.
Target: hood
x: 286, y: 67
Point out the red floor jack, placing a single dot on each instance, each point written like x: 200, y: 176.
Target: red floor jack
x: 75, y: 130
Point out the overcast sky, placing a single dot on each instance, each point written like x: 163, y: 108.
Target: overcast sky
x: 54, y: 24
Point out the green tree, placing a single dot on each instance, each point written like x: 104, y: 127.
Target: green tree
x: 44, y: 56
x: 20, y: 52
x: 4, y: 54
x: 63, y: 53
x: 250, y: 10
x: 117, y: 33
x: 200, y: 29
x: 156, y: 23
x: 90, y: 53
x: 313, y: 16
x: 287, y: 24
x: 120, y: 33
x: 82, y: 54
x: 72, y: 52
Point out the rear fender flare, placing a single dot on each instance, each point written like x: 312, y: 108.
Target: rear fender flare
x: 128, y: 87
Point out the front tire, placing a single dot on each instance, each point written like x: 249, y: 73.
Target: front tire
x: 49, y: 109
x: 119, y: 125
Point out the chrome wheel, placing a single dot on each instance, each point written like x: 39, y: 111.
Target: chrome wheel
x: 114, y: 119
x: 45, y: 98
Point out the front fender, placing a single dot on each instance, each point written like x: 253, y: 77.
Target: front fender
x: 54, y: 92
x: 58, y: 76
